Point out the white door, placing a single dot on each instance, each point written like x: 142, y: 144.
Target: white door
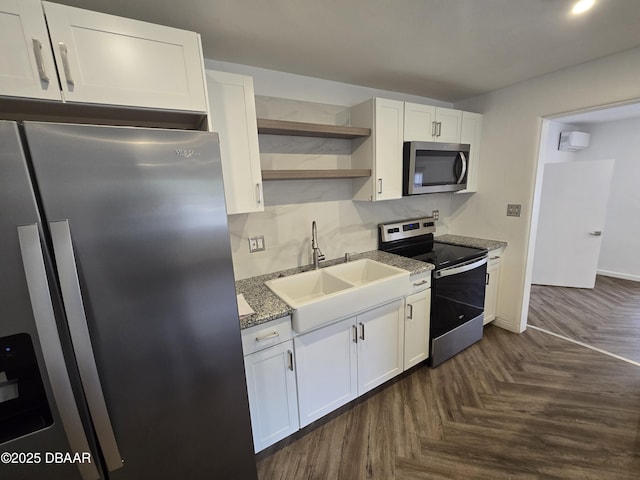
x: 326, y: 369
x: 26, y: 68
x: 416, y: 328
x: 233, y: 117
x: 419, y: 122
x: 380, y: 345
x: 572, y: 215
x: 273, y: 402
x: 449, y: 125
x: 106, y: 59
x: 389, y: 131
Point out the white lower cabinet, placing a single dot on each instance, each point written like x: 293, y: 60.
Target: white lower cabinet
x: 327, y: 369
x: 341, y: 361
x: 416, y: 328
x: 493, y: 284
x: 271, y: 383
x: 380, y: 345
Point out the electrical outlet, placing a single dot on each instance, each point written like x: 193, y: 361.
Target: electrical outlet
x: 513, y: 210
x: 256, y: 244
x: 435, y: 214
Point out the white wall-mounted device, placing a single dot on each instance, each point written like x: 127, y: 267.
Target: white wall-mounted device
x: 574, y: 141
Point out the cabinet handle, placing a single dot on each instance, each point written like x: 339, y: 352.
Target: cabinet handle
x: 423, y: 282
x: 290, y: 360
x: 488, y: 279
x: 258, y: 194
x: 362, y: 334
x: 37, y: 51
x: 434, y: 129
x: 64, y: 53
x: 494, y: 258
x: 439, y: 129
x: 267, y: 336
x: 596, y: 233
x: 379, y: 185
x: 355, y: 334
x: 410, y: 314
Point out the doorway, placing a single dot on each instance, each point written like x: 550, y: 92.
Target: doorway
x: 606, y: 317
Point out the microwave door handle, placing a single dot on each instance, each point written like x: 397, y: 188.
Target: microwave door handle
x: 463, y: 159
x: 44, y: 316
x: 77, y: 320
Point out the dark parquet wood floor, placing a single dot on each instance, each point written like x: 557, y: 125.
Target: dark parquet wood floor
x: 529, y: 406
x: 607, y: 317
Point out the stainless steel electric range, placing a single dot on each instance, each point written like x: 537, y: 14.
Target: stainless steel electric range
x: 457, y: 287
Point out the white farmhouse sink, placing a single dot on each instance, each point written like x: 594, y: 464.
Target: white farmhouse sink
x: 322, y: 296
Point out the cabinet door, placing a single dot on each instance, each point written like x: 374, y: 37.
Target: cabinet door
x: 326, y: 369
x: 27, y: 68
x: 106, y: 59
x: 419, y: 122
x: 493, y: 284
x: 389, y: 129
x: 380, y: 345
x: 416, y: 328
x: 472, y: 134
x: 233, y: 115
x: 449, y: 125
x: 273, y: 401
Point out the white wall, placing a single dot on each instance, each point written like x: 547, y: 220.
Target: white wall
x: 621, y: 237
x: 291, y: 206
x: 511, y: 135
x: 272, y: 83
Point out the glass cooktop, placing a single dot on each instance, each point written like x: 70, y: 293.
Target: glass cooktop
x: 444, y: 254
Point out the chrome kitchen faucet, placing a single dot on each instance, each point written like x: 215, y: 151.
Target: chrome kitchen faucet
x: 315, y: 250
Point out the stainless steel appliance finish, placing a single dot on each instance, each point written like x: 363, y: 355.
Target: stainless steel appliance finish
x: 431, y: 167
x: 457, y: 287
x: 138, y: 343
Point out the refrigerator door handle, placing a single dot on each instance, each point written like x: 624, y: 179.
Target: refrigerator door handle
x: 77, y: 320
x: 38, y: 287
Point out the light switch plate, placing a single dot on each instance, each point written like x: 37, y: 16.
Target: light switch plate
x: 435, y: 214
x: 514, y: 209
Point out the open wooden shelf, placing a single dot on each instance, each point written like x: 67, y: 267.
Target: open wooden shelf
x: 301, y: 129
x: 313, y: 174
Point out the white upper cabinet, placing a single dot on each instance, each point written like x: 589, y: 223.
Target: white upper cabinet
x: 112, y: 60
x: 472, y: 134
x: 381, y: 152
x: 426, y: 123
x: 99, y: 59
x: 232, y: 111
x: 27, y: 68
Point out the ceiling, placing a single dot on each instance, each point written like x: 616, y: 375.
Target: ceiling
x: 610, y: 114
x: 442, y: 49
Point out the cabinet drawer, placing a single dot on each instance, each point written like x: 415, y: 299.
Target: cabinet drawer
x: 419, y: 282
x: 266, y: 335
x: 495, y: 257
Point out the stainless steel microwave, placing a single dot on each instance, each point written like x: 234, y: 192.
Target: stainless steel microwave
x: 431, y: 167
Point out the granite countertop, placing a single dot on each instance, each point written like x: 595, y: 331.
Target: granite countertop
x: 471, y: 242
x: 268, y: 306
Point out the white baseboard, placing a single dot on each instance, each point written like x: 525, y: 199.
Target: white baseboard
x: 499, y: 322
x: 624, y: 276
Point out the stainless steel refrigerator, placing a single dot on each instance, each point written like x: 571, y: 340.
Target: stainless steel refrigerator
x: 120, y: 350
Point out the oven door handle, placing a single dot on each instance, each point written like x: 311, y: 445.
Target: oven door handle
x: 465, y: 267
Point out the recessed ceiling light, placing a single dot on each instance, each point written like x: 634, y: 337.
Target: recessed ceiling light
x: 582, y: 6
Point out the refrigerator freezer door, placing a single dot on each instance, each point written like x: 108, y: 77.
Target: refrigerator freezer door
x: 147, y: 217
x: 38, y: 413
